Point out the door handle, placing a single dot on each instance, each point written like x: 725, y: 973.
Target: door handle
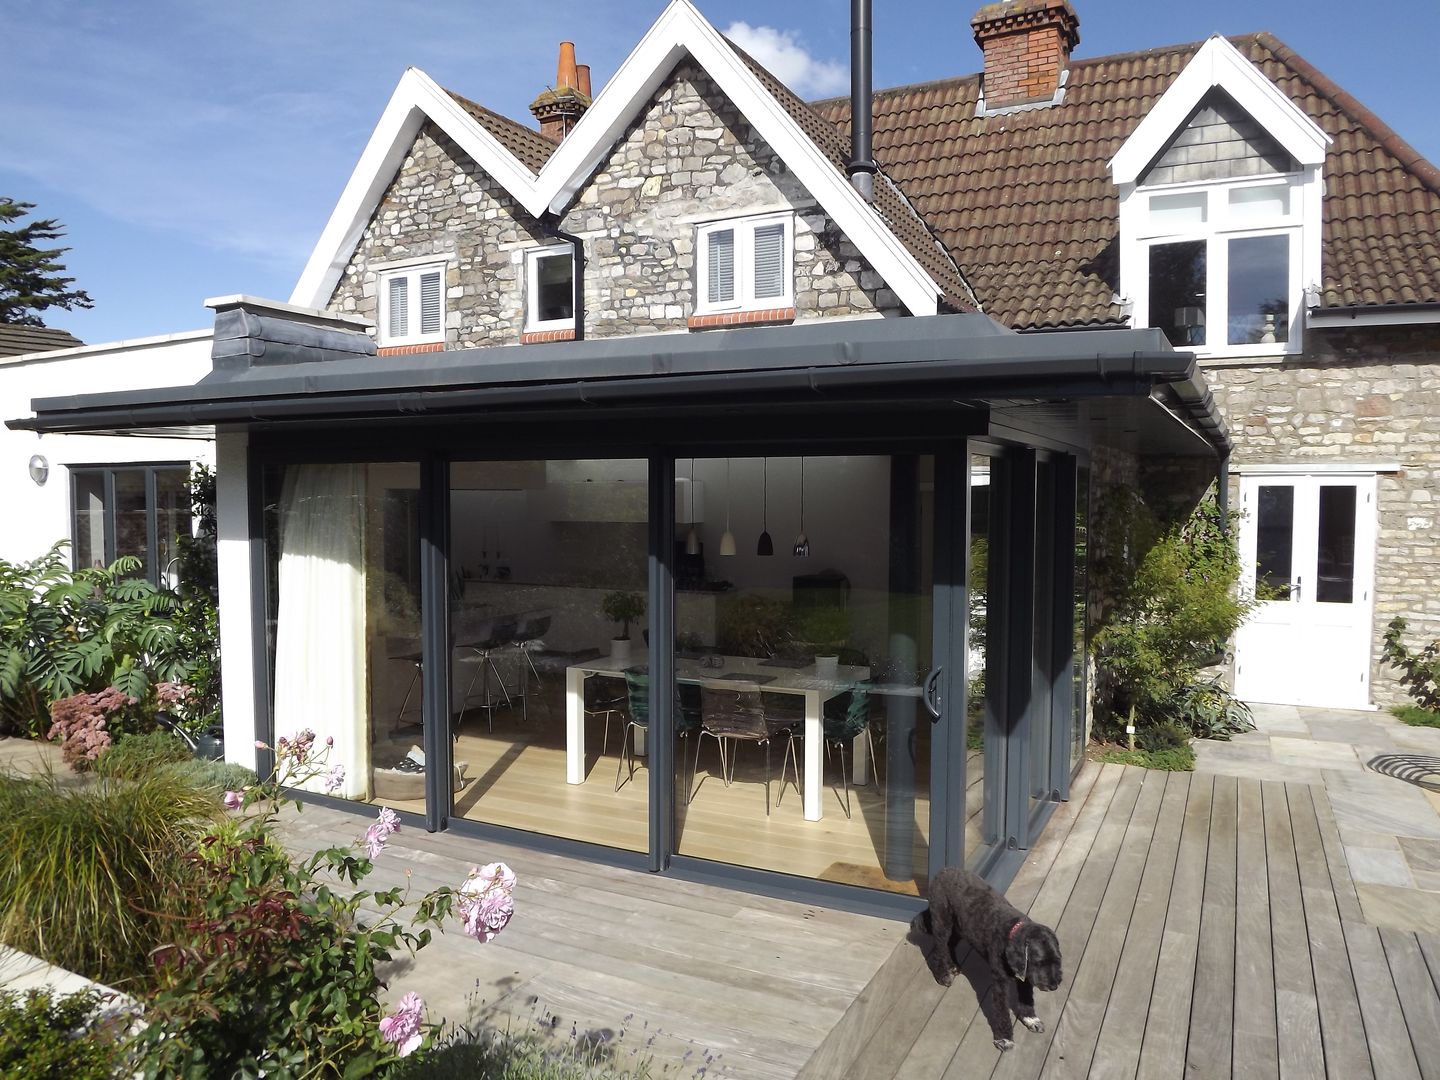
x: 1295, y: 589
x: 930, y: 694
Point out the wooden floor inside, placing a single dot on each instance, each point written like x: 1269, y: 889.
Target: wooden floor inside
x: 515, y: 777
x: 1209, y: 928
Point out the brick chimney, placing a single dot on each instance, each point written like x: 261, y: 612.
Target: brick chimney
x: 1027, y: 45
x: 559, y: 109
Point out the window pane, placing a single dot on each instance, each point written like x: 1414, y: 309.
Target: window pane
x: 1275, y: 543
x: 1259, y: 203
x: 1259, y: 290
x: 554, y: 288
x: 1335, y: 582
x: 172, y: 520
x: 431, y: 308
x: 720, y: 267
x: 399, y: 307
x: 770, y: 261
x: 131, y: 531
x: 1081, y: 610
x: 1174, y: 212
x: 1177, y: 291
x: 89, y: 524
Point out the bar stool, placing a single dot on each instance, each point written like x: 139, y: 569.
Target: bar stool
x: 531, y: 629
x: 496, y: 634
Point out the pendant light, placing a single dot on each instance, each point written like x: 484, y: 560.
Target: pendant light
x: 692, y: 538
x: 766, y: 546
x: 802, y: 542
x: 727, y: 542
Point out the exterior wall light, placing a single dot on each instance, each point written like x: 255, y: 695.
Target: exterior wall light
x: 39, y: 469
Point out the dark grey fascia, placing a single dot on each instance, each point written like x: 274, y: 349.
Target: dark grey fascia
x: 959, y: 356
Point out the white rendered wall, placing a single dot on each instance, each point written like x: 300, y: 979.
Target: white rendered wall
x: 232, y: 500
x: 35, y: 517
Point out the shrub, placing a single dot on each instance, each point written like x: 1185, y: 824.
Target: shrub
x: 1208, y: 710
x: 1176, y: 602
x: 65, y: 632
x: 1416, y: 716
x: 216, y: 776
x: 1158, y: 738
x: 197, y: 619
x: 88, y: 874
x: 1419, y: 671
x: 1176, y: 759
x: 86, y: 725
x: 135, y: 756
x: 44, y: 1037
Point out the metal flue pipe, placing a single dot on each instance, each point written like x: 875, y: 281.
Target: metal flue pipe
x: 862, y: 157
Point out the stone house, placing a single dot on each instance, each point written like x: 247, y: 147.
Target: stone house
x: 536, y: 386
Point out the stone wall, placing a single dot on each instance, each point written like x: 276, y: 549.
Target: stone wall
x: 1357, y: 396
x: 688, y: 157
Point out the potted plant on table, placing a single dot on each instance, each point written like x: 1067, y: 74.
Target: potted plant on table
x: 623, y: 608
x: 824, y: 630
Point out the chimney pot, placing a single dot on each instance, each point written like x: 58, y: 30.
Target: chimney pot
x: 565, y: 76
x: 583, y: 70
x: 1027, y: 44
x: 559, y: 109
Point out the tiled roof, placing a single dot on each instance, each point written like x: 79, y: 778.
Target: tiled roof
x: 1025, y: 203
x: 528, y: 145
x: 891, y: 200
x: 16, y: 339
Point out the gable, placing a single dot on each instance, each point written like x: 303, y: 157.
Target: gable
x: 1219, y: 141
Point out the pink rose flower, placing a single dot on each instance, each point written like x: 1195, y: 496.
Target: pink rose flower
x: 487, y: 900
x: 334, y: 779
x: 234, y: 800
x: 386, y: 823
x: 402, y: 1028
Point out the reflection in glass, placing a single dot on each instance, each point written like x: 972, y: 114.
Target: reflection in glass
x: 1259, y: 290
x: 1080, y: 608
x: 1275, y: 540
x: 1177, y: 291
x: 172, y: 520
x: 555, y: 284
x: 983, y: 765
x: 800, y: 677
x: 89, y: 494
x: 1335, y: 579
x: 1042, y: 633
x: 131, y: 522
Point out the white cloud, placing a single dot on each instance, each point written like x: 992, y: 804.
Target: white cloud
x: 787, y: 59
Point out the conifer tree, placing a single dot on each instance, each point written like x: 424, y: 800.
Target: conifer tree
x: 31, y: 276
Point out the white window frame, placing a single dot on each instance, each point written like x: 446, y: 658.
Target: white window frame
x: 745, y: 299
x: 383, y: 337
x: 1300, y: 223
x: 533, y: 256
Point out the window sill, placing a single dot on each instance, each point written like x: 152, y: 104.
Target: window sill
x: 406, y: 350
x: 757, y: 317
x: 537, y: 337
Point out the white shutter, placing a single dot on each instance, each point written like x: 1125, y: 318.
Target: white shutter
x: 399, y: 307
x: 431, y: 308
x: 720, y: 266
x: 770, y: 261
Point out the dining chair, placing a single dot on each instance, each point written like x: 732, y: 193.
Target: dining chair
x: 687, y: 723
x: 844, y: 719
x: 605, y: 696
x: 736, y: 716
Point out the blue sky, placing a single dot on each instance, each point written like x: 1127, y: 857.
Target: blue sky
x: 195, y: 148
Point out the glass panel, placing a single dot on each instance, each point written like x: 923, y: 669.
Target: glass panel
x: 399, y: 306
x: 1275, y: 540
x: 432, y: 308
x: 1080, y: 606
x: 984, y: 766
x: 1038, y: 738
x: 89, y: 523
x: 770, y: 261
x: 1335, y: 579
x: 802, y: 671
x: 1259, y: 290
x: 549, y: 690
x: 1173, y: 213
x: 172, y: 520
x: 343, y: 548
x: 555, y: 288
x: 1177, y: 291
x: 132, y: 533
x: 1259, y: 203
x: 720, y: 266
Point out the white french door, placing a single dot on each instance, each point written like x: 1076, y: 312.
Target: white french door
x: 1308, y: 539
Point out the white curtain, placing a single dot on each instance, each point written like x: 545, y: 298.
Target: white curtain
x: 320, y: 633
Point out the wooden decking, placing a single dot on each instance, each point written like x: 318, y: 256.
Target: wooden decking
x: 1209, y: 927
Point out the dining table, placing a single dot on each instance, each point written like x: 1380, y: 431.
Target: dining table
x: 724, y: 672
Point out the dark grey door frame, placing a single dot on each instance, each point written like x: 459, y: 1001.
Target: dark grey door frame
x: 435, y: 640
x: 661, y: 604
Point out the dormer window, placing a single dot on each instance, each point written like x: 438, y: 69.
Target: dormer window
x: 412, y: 306
x: 1222, y: 265
x: 550, y: 289
x: 745, y: 264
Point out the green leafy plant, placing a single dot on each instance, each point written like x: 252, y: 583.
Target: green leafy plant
x: 1176, y: 759
x: 215, y: 776
x: 824, y: 628
x: 1419, y: 671
x: 1176, y: 601
x: 134, y: 756
x: 1415, y: 716
x: 197, y: 618
x: 751, y: 625
x: 88, y: 873
x: 49, y: 1037
x: 623, y: 608
x: 86, y: 725
x: 1207, y: 710
x: 1158, y: 738
x: 65, y: 632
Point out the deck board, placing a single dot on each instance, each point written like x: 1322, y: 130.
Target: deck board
x: 1209, y: 1050
x: 1254, y: 1050
x: 1418, y: 1000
